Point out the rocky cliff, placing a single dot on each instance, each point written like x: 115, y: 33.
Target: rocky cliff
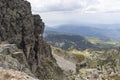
x: 20, y: 27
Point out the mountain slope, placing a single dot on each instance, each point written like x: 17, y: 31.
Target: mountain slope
x: 69, y: 41
x: 65, y: 64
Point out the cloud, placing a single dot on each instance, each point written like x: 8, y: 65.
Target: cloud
x: 72, y: 5
x: 55, y: 12
x: 60, y: 5
x: 105, y: 6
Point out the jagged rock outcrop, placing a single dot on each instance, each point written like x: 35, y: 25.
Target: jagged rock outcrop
x: 18, y: 26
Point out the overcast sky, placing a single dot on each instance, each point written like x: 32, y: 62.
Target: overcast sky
x: 58, y: 12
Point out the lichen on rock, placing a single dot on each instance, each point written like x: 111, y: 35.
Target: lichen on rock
x: 14, y: 75
x: 20, y: 27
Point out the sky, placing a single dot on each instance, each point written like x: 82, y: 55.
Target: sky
x: 59, y: 12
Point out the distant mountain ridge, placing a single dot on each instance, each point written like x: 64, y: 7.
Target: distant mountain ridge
x: 105, y: 31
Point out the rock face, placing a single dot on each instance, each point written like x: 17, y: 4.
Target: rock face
x: 14, y: 75
x: 13, y: 58
x: 18, y: 26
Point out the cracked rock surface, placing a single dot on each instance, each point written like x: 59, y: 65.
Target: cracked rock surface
x: 20, y: 27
